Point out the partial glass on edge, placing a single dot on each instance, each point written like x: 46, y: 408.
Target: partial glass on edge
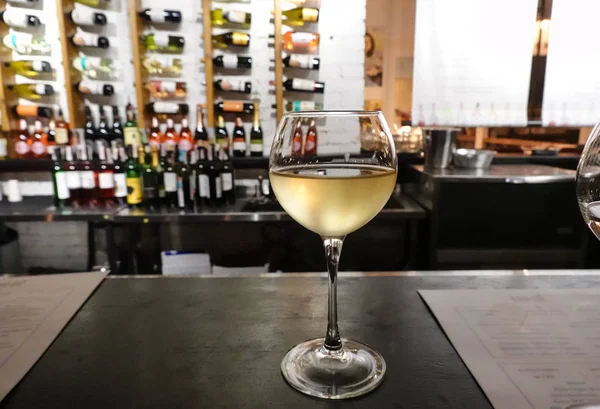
x: 333, y: 196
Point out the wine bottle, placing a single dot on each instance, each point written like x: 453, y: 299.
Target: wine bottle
x: 185, y: 178
x: 117, y: 128
x: 186, y: 139
x: 297, y: 140
x: 106, y: 175
x: 170, y: 181
x: 304, y: 61
x: 300, y: 15
x: 131, y: 132
x: 310, y: 145
x: 95, y: 88
x: 202, y: 178
x: 233, y: 86
x: 73, y: 177
x: 220, y: 17
x: 102, y: 133
x: 227, y: 178
x: 221, y: 135
x: 295, y: 106
x: 15, y: 17
x: 171, y: 136
x: 160, y: 16
x: 84, y: 39
x: 200, y: 136
x: 303, y: 85
x: 26, y: 44
x: 120, y: 179
x: 133, y: 178
x: 63, y: 130
x: 151, y: 172
x: 59, y: 181
x: 234, y: 106
x: 232, y: 61
x: 214, y: 177
x: 84, y: 16
x: 167, y: 89
x: 51, y: 133
x: 23, y: 141
x: 233, y: 38
x: 30, y: 69
x: 159, y: 65
x: 39, y: 144
x: 162, y: 42
x: 299, y: 41
x: 256, y: 135
x: 155, y: 137
x: 239, y: 139
x: 93, y: 3
x: 32, y: 111
x: 31, y: 91
x: 169, y: 108
x: 94, y: 67
x: 89, y: 129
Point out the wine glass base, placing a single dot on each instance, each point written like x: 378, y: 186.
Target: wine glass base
x: 352, y: 371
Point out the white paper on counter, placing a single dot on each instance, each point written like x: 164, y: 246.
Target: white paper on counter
x: 33, y: 311
x: 472, y: 62
x: 536, y: 349
x: 572, y: 82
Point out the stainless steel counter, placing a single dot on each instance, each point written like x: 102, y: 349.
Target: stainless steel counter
x: 515, y: 174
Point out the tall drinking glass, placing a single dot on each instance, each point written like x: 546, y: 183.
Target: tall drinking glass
x: 333, y: 197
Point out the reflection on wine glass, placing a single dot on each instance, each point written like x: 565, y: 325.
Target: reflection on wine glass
x: 333, y: 197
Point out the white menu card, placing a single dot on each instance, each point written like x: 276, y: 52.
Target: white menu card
x: 572, y: 81
x: 472, y: 62
x: 535, y: 349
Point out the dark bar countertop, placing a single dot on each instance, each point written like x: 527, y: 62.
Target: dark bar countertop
x: 218, y: 342
x: 528, y: 173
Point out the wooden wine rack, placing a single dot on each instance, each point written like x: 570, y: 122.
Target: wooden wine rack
x: 136, y: 26
x: 66, y: 27
x: 208, y: 63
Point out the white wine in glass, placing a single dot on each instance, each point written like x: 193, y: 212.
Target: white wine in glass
x: 333, y: 197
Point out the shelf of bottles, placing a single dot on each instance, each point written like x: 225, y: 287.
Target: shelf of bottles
x: 296, y: 51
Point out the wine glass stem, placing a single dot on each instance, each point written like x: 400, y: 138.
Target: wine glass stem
x: 333, y: 249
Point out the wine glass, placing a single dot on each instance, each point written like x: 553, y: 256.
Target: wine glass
x: 333, y: 196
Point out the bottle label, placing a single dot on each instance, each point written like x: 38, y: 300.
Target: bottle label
x: 301, y: 38
x: 15, y: 18
x: 40, y: 89
x: 134, y: 191
x: 310, y: 15
x: 154, y: 143
x: 3, y: 149
x: 185, y: 145
x: 227, y: 85
x: 83, y: 38
x: 161, y: 39
x: 203, y: 188
x: 170, y: 181
x: 180, y: 196
x: 106, y: 180
x: 233, y: 106
x: 157, y: 16
x: 21, y: 147
x: 38, y: 66
x: 161, y: 192
x: 62, y: 190
x: 166, y: 107
x: 91, y: 87
x: 256, y: 146
x: 230, y: 61
x: 170, y: 144
x: 240, y: 38
x: 304, y: 106
x: 73, y: 180
x: 61, y: 136
x: 235, y: 16
x: 87, y: 179
x: 166, y: 86
x: 239, y: 146
x: 297, y: 145
x: 227, y: 179
x: 16, y: 41
x: 303, y: 84
x: 89, y: 63
x: 120, y: 185
x: 131, y: 136
x: 301, y: 61
x: 219, y: 187
x: 38, y: 148
x: 83, y: 16
x: 309, y: 146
